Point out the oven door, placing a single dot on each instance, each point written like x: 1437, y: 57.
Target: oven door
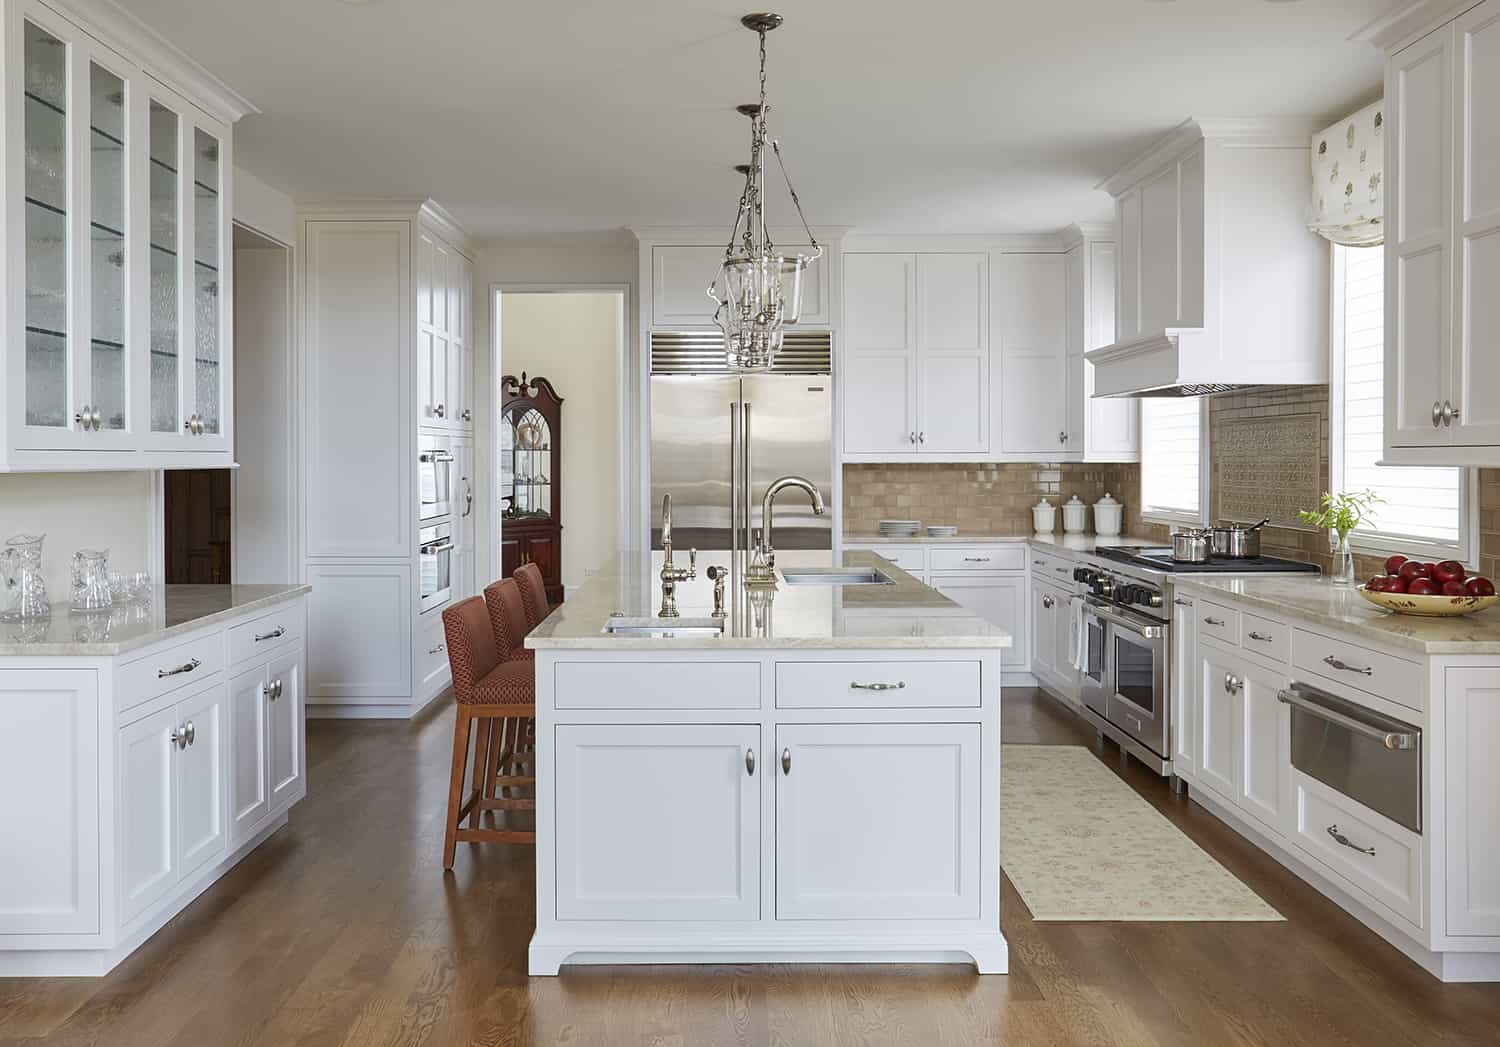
x: 435, y: 567
x: 1095, y: 686
x: 435, y: 483
x: 1139, y: 694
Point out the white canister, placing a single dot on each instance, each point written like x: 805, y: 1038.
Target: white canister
x: 1108, y: 516
x: 1044, y: 517
x: 1075, y: 515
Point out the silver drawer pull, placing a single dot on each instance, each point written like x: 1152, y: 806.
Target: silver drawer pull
x: 1060, y: 570
x: 1180, y: 602
x: 280, y: 630
x: 185, y: 667
x: 976, y: 559
x: 1215, y: 621
x: 1340, y: 838
x: 750, y: 762
x: 1329, y: 659
x: 899, y: 685
x: 435, y: 650
x: 1262, y: 637
x: 1393, y: 740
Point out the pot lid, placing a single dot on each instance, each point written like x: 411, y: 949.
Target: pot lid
x: 1106, y: 500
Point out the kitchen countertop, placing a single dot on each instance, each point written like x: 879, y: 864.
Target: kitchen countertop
x: 906, y: 615
x: 172, y: 609
x: 1083, y: 543
x: 1316, y: 601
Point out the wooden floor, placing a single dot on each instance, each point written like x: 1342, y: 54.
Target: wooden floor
x: 343, y: 929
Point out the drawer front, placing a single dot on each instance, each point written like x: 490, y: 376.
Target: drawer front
x: 878, y: 685
x: 1375, y: 672
x: 281, y: 625
x: 977, y: 558
x: 910, y: 558
x: 168, y: 668
x: 658, y: 685
x: 1218, y: 621
x: 1054, y: 569
x: 432, y: 656
x: 1265, y: 637
x: 1342, y: 834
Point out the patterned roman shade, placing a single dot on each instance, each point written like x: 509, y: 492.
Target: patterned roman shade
x: 1348, y: 176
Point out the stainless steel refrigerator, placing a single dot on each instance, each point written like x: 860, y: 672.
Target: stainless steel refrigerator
x: 699, y: 415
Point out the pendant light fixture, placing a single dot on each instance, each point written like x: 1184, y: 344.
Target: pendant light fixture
x: 759, y: 286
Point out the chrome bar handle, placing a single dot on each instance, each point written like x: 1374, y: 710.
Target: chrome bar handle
x: 186, y: 667
x: 1333, y: 830
x: 1262, y: 637
x: 1392, y: 740
x: 280, y: 630
x: 899, y: 685
x: 734, y: 502
x: 1216, y: 621
x: 1329, y: 659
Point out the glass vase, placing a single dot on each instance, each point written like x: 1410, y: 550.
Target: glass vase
x: 1343, y: 562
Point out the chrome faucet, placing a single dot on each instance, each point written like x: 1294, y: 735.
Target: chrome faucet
x: 762, y: 569
x: 671, y: 575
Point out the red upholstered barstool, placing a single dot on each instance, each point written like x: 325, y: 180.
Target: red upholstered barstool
x: 513, y: 747
x: 533, y: 593
x: 488, y: 688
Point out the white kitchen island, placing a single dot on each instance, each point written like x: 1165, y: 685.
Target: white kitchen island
x: 820, y: 782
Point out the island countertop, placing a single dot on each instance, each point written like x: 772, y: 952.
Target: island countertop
x: 171, y: 610
x: 904, y: 615
x: 1314, y: 600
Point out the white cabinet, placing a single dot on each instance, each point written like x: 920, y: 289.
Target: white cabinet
x: 877, y: 821
x: 147, y: 755
x: 444, y: 343
x: 1186, y: 681
x: 49, y: 878
x: 1443, y: 247
x: 681, y: 275
x: 1031, y: 325
x: 1471, y: 713
x: 999, y: 599
x: 360, y: 628
x: 916, y: 355
x: 118, y: 340
x: 1217, y: 728
x: 249, y: 727
x: 1052, y: 638
x: 1099, y: 428
x: 1265, y: 759
x: 286, y: 759
x: 199, y: 785
x: 658, y: 822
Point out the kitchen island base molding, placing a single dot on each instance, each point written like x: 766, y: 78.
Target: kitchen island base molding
x: 989, y: 953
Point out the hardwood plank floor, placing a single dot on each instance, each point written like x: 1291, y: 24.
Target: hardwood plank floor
x: 343, y: 929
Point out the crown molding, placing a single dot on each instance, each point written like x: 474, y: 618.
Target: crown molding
x: 717, y: 235
x: 388, y: 208
x: 1407, y: 21
x: 158, y: 56
x: 1240, y: 132
x: 1083, y: 232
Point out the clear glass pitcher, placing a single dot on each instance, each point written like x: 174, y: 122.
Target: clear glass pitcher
x: 91, y: 580
x: 25, y: 594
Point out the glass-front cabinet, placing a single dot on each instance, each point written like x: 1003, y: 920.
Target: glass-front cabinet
x: 117, y: 345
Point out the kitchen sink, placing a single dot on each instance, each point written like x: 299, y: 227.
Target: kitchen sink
x: 834, y: 576
x: 664, y: 628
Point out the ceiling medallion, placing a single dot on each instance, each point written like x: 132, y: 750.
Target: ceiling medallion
x: 758, y: 287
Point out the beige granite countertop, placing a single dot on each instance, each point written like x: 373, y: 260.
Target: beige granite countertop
x: 1315, y: 601
x: 1082, y: 543
x: 905, y: 615
x: 172, y: 609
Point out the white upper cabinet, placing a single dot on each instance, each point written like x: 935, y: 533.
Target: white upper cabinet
x: 1099, y: 428
x: 117, y: 334
x: 953, y: 353
x: 444, y: 346
x: 1031, y: 324
x: 682, y: 273
x: 1442, y: 320
x: 880, y: 354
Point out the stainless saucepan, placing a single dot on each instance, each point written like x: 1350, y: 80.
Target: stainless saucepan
x: 1238, y: 542
x: 1191, y: 546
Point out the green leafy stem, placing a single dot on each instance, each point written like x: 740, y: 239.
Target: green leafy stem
x: 1341, y: 512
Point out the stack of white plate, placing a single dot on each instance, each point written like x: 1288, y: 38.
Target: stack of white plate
x: 900, y: 528
x: 943, y: 531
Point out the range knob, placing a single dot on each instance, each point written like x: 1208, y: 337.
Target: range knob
x: 1127, y: 594
x: 1082, y: 574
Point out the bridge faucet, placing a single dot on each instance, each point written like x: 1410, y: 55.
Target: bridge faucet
x: 671, y: 575
x: 762, y: 568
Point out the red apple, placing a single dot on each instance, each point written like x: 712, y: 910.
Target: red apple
x: 1479, y: 586
x: 1453, y: 587
x: 1423, y: 587
x: 1395, y: 584
x: 1413, y: 569
x: 1430, y: 567
x: 1393, y: 564
x: 1377, y: 584
x: 1449, y: 571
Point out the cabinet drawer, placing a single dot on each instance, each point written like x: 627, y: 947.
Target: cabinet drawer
x: 1218, y: 621
x: 432, y: 656
x: 1392, y: 873
x: 282, y: 625
x: 1054, y: 569
x: 1263, y: 636
x: 977, y: 558
x: 658, y: 685
x: 911, y: 558
x: 1375, y: 672
x: 169, y: 668
x: 877, y: 685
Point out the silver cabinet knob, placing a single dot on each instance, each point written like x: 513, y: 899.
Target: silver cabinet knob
x: 98, y: 419
x: 441, y: 410
x: 1450, y: 413
x: 1437, y: 414
x: 178, y: 737
x: 1047, y: 602
x: 921, y: 438
x: 191, y: 733
x: 911, y: 437
x: 468, y: 415
x: 1062, y: 438
x: 750, y: 762
x: 786, y: 761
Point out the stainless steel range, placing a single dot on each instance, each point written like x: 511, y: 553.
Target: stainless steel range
x: 1127, y: 653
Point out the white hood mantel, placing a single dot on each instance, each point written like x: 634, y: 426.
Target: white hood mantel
x: 1221, y: 285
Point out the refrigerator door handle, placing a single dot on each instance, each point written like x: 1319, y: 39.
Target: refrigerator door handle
x: 734, y: 500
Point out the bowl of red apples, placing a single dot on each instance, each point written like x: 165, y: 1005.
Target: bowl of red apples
x: 1432, y: 590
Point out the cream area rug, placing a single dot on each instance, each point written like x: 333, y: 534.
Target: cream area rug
x: 1079, y: 844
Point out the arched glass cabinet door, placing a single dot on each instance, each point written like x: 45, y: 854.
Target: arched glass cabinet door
x: 526, y: 465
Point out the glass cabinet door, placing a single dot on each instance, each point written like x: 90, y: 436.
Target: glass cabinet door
x: 108, y: 251
x: 164, y: 127
x: 208, y: 247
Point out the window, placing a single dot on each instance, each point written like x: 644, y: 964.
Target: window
x: 1425, y: 510
x: 1171, y: 452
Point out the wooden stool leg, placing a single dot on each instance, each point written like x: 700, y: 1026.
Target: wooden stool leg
x: 492, y: 758
x: 456, y: 783
x: 481, y: 762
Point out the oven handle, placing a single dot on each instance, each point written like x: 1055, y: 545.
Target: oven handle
x: 1392, y: 740
x: 435, y: 456
x: 1149, y: 632
x: 440, y: 546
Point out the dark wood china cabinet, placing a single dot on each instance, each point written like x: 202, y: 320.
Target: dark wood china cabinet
x: 530, y: 453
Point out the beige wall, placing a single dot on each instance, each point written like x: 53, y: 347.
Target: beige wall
x: 573, y: 341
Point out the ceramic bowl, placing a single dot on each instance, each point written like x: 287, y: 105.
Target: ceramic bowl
x: 1429, y: 606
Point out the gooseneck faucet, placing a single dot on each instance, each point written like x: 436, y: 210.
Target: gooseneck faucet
x: 671, y: 575
x: 763, y: 567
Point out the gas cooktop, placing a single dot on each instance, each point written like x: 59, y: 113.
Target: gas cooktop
x: 1159, y: 558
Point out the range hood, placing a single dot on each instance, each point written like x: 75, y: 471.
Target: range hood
x: 1221, y: 286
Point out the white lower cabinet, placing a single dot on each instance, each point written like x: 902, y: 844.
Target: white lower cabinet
x: 999, y: 599
x: 286, y: 759
x: 658, y: 822
x: 1185, y: 684
x: 1265, y: 741
x: 1052, y: 638
x: 199, y: 785
x: 877, y: 821
x: 1216, y: 727
x: 1471, y: 712
x: 249, y: 789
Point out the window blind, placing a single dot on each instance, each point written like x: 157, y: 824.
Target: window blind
x: 1171, y: 448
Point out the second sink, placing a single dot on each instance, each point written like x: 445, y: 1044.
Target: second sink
x: 834, y: 576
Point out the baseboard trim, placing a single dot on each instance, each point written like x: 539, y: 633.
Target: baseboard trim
x: 358, y: 711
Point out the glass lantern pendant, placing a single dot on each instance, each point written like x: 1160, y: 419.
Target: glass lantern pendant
x: 758, y: 289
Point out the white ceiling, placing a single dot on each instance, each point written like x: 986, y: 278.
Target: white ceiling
x: 552, y: 116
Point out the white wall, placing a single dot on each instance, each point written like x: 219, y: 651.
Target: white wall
x: 572, y: 341
x: 79, y: 511
x: 263, y: 208
x: 610, y: 258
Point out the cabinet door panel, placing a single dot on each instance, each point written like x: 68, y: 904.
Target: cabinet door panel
x: 1128, y: 282
x: 679, y: 278
x: 695, y: 855
x: 879, y: 401
x: 1217, y: 728
x: 1043, y: 630
x: 286, y: 731
x: 880, y: 353
x: 1472, y: 733
x: 1032, y: 323
x: 1185, y: 688
x: 877, y: 821
x: 1265, y: 747
x: 954, y: 391
x: 359, y: 628
x: 201, y: 835
x: 49, y: 748
x: 1160, y: 261
x: 1000, y: 600
x: 148, y: 831
x: 249, y: 791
